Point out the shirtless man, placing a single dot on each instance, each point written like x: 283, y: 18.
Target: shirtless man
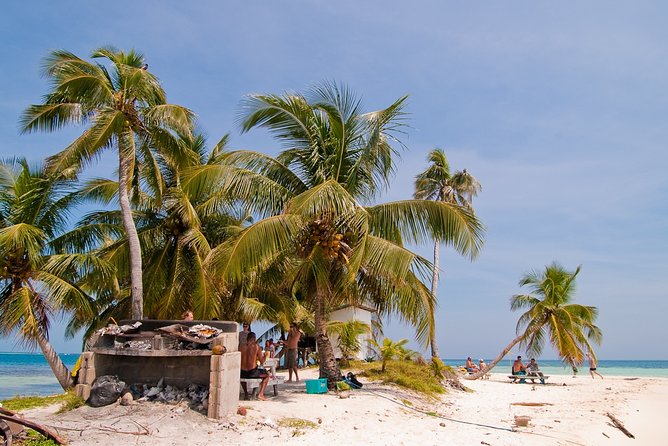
x: 470, y: 366
x: 291, y: 351
x: 251, y: 353
x: 518, y: 368
x: 592, y: 367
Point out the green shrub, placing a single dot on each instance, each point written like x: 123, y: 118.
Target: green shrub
x: 69, y: 401
x: 408, y: 374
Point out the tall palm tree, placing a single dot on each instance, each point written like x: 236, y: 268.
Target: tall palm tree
x: 123, y: 104
x: 318, y: 235
x: 36, y: 281
x: 176, y: 229
x: 551, y: 315
x: 436, y: 183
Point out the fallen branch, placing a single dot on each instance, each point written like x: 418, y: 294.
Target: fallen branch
x: 104, y: 429
x: 531, y: 404
x: 34, y: 426
x: 618, y: 424
x: 6, y: 433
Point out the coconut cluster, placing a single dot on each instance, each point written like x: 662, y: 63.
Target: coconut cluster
x: 323, y: 234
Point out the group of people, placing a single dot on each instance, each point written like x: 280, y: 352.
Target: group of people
x: 253, y: 357
x: 532, y: 369
x: 472, y: 368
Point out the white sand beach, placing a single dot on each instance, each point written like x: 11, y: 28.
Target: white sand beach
x: 573, y: 413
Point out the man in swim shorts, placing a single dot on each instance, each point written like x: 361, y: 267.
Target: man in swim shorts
x: 291, y: 351
x: 592, y: 366
x: 251, y: 354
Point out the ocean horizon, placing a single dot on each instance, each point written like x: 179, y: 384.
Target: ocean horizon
x: 29, y: 373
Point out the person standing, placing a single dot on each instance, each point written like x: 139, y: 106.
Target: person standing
x: 187, y: 315
x: 243, y: 334
x: 291, y: 351
x: 592, y: 366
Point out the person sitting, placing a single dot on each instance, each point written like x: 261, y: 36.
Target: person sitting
x: 251, y: 354
x: 269, y: 348
x: 519, y: 369
x: 470, y: 366
x: 533, y: 370
x: 187, y: 315
x: 483, y: 366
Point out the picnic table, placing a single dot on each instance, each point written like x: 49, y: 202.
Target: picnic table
x: 252, y: 384
x: 533, y: 376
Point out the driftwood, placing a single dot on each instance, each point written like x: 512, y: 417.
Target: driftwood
x: 6, y: 433
x: 34, y: 426
x: 531, y: 404
x: 618, y: 424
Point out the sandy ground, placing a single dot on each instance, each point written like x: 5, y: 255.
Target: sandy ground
x: 574, y: 413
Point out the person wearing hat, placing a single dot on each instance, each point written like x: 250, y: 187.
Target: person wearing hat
x: 482, y: 366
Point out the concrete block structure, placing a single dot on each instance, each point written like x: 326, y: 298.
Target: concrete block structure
x: 160, y: 359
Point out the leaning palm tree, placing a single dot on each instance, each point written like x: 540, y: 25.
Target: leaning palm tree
x: 36, y: 281
x: 552, y: 316
x: 319, y: 236
x: 123, y: 104
x: 438, y: 184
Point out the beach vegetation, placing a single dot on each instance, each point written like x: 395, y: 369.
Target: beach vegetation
x: 439, y: 184
x: 389, y: 350
x: 552, y: 317
x: 348, y: 333
x: 67, y: 400
x: 35, y: 439
x: 316, y: 237
x: 296, y: 423
x: 404, y: 373
x: 124, y: 107
x: 39, y: 278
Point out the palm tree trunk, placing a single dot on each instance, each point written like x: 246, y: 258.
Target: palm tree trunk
x: 328, y: 367
x: 59, y: 369
x: 125, y: 157
x: 434, y: 286
x: 491, y: 365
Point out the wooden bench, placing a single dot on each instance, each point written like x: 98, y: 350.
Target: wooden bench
x: 533, y: 378
x: 252, y: 384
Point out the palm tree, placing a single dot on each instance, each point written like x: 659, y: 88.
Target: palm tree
x: 438, y: 184
x: 348, y: 334
x: 123, y: 104
x: 390, y: 350
x: 318, y: 236
x: 176, y: 230
x: 551, y: 315
x: 37, y: 282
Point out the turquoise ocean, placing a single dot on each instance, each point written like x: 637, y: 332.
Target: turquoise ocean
x: 29, y: 374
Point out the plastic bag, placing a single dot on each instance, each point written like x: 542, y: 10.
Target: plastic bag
x: 105, y: 390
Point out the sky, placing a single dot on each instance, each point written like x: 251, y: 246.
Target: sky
x: 559, y: 109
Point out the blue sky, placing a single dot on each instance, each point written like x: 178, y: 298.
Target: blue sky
x: 558, y: 108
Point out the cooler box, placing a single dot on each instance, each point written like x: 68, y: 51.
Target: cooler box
x: 316, y: 385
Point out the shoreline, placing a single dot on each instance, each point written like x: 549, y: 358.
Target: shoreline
x: 573, y: 411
